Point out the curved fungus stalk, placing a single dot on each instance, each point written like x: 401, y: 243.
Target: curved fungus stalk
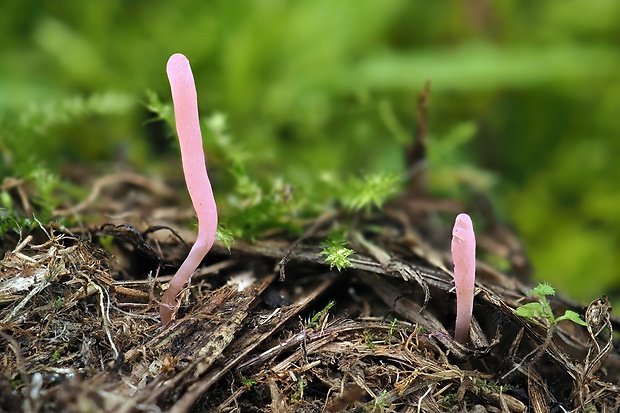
x: 185, y: 103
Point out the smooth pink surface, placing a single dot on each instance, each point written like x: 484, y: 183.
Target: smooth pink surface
x: 195, y: 170
x: 464, y: 258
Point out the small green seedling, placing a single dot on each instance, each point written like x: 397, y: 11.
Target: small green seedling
x: 369, y: 340
x: 225, y: 236
x: 336, y: 253
x: 380, y: 402
x: 391, y: 331
x: 315, y: 321
x: 449, y: 400
x: 248, y: 381
x: 542, y: 309
x: 299, y: 394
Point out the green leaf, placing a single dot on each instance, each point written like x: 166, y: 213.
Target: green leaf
x: 313, y: 323
x: 225, y: 236
x: 162, y: 110
x: 530, y: 310
x: 542, y: 290
x: 572, y: 316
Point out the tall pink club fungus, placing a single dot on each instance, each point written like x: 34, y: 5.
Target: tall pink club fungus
x: 195, y: 170
x: 464, y: 258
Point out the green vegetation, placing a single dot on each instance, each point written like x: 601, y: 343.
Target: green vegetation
x: 59, y: 302
x: 520, y: 96
x: 370, y: 190
x: 336, y: 253
x: 46, y: 185
x: 225, y: 237
x: 449, y: 400
x: 542, y: 309
x: 391, y: 330
x: 316, y: 319
x: 299, y: 394
x: 369, y: 340
x: 248, y: 381
x: 11, y: 222
x: 490, y: 387
x: 380, y: 403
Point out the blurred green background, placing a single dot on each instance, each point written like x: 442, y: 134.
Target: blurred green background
x: 527, y: 91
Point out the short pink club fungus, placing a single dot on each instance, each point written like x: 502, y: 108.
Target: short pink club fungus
x: 464, y: 258
x: 195, y: 170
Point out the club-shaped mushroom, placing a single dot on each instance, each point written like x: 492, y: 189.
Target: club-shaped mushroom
x: 464, y: 258
x: 195, y: 170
